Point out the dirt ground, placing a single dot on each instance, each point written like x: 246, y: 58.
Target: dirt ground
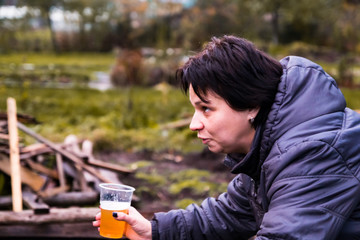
x: 165, y: 163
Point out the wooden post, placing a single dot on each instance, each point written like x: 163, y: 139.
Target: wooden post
x: 60, y: 169
x: 14, y: 156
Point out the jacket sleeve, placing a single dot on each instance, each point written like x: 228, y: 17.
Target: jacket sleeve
x: 312, y: 196
x: 227, y: 217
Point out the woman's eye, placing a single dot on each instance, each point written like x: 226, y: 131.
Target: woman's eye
x: 206, y: 109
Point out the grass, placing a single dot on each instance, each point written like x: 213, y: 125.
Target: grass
x: 123, y: 119
x: 352, y: 97
x: 48, y: 68
x: 79, y: 59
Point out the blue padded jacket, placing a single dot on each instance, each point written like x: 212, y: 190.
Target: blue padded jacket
x: 301, y: 179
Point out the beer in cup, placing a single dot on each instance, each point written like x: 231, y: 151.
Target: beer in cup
x: 114, y: 198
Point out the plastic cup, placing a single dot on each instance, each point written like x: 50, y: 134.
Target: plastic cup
x: 114, y: 198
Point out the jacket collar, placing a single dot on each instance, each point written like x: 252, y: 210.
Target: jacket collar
x: 247, y: 163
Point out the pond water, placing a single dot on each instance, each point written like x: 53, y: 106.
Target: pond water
x: 102, y: 81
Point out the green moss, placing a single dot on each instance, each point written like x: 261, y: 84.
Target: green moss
x: 198, y: 182
x: 152, y: 179
x: 141, y: 164
x: 195, y: 186
x: 183, y: 203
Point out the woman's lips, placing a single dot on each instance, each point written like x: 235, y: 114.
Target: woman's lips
x: 205, y: 140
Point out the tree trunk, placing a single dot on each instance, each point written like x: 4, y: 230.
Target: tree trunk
x: 275, y: 26
x: 52, y: 32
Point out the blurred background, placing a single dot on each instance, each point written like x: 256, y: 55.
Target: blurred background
x: 103, y: 70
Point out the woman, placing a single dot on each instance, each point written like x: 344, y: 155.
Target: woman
x: 287, y: 134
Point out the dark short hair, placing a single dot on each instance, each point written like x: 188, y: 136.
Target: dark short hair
x: 231, y: 67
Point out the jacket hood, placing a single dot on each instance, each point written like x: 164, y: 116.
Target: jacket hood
x: 305, y: 93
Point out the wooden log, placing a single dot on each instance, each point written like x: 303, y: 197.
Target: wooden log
x: 56, y: 215
x: 67, y: 199
x: 28, y: 177
x: 5, y: 202
x: 35, y: 203
x: 14, y: 156
x: 77, y: 230
x: 63, y: 152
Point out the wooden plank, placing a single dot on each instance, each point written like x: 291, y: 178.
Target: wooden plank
x: 63, y: 152
x: 110, y: 166
x: 42, y: 169
x: 34, y: 150
x: 81, y: 178
x: 60, y: 170
x: 4, y: 136
x: 36, y: 204
x: 14, y: 156
x: 33, y: 147
x: 28, y: 177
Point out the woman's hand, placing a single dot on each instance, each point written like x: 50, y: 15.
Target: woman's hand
x: 96, y: 223
x: 138, y: 227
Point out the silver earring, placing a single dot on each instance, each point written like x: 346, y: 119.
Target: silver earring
x: 252, y: 119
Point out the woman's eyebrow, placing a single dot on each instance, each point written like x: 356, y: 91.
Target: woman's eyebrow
x: 201, y: 102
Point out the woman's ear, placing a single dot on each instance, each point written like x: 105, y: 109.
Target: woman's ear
x: 253, y: 112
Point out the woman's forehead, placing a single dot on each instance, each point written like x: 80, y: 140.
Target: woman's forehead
x: 204, y: 95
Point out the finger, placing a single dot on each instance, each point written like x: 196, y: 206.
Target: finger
x: 120, y: 216
x: 98, y: 216
x: 96, y: 223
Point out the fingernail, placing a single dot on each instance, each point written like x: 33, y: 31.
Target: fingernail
x: 115, y: 214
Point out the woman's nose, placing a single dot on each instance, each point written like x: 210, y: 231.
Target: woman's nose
x: 195, y: 124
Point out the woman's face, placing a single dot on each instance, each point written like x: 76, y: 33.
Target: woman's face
x: 220, y: 127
